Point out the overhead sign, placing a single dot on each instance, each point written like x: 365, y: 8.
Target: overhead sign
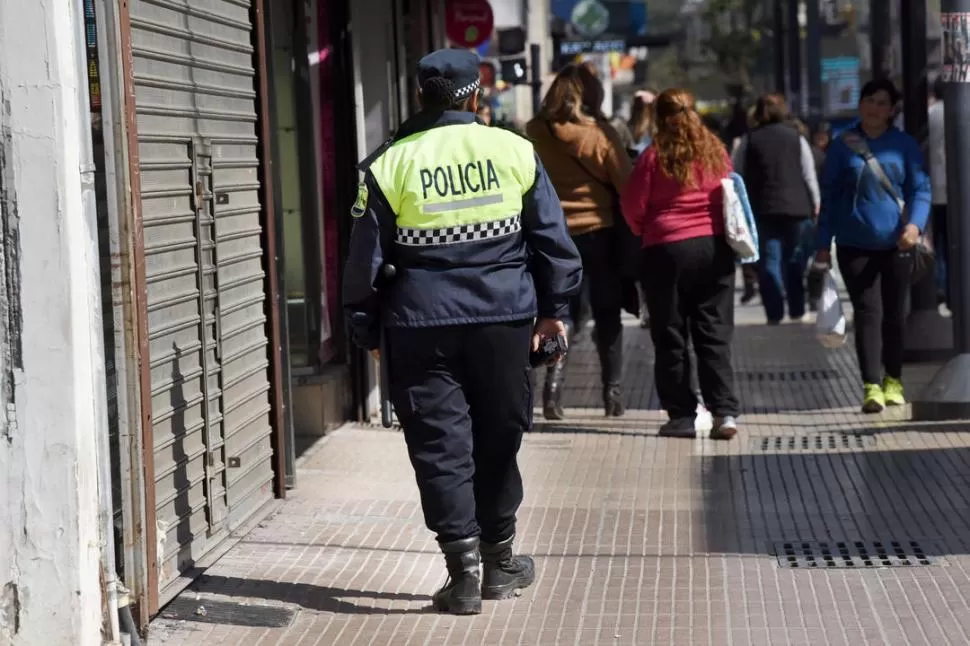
x: 574, y: 47
x: 468, y: 23
x: 590, y: 18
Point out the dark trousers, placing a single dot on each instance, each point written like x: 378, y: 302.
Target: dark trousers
x: 463, y: 395
x: 605, y: 293
x: 690, y: 295
x: 941, y: 246
x: 783, y: 263
x: 878, y: 284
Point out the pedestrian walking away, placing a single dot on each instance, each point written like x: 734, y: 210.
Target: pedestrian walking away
x: 873, y: 236
x: 675, y: 203
x: 588, y: 167
x: 778, y: 167
x: 485, y: 273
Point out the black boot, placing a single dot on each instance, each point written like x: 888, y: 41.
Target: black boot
x: 461, y: 594
x: 552, y: 392
x: 504, y: 573
x: 611, y: 366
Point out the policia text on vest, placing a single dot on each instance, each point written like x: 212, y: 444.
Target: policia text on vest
x: 459, y: 180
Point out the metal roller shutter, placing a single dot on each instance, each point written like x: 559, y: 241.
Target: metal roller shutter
x: 195, y: 99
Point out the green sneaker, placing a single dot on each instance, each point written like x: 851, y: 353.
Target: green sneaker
x: 892, y: 390
x: 873, y: 399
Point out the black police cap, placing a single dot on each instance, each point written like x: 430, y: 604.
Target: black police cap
x: 459, y: 66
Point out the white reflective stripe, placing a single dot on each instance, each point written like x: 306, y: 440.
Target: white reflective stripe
x: 457, y: 205
x: 461, y: 233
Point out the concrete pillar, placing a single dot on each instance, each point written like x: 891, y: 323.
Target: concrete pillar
x: 947, y: 396
x: 51, y: 358
x: 929, y: 336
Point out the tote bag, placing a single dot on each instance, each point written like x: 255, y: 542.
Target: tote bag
x: 739, y: 226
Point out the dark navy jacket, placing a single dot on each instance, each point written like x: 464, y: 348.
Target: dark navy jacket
x: 532, y: 271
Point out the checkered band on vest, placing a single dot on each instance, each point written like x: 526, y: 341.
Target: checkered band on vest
x: 462, y: 233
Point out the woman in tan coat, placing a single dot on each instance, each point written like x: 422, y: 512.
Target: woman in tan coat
x: 589, y: 168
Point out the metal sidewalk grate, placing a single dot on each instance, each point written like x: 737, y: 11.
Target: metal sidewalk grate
x: 210, y: 611
x: 812, y: 442
x: 819, y: 374
x: 852, y: 554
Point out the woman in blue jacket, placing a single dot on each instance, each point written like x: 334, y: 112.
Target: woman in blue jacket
x: 869, y: 232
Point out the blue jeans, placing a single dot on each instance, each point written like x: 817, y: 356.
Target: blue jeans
x: 785, y: 252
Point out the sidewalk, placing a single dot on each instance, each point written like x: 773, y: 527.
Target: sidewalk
x: 639, y: 540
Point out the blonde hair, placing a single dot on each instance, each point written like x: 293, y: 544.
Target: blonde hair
x: 682, y: 139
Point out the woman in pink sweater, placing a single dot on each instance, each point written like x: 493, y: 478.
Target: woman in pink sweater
x: 674, y: 202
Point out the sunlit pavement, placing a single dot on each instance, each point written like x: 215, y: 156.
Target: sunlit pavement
x: 639, y: 540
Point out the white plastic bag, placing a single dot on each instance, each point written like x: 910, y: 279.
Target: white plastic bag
x: 736, y: 228
x: 830, y: 324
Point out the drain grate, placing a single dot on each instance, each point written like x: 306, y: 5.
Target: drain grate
x: 210, y: 611
x: 812, y: 442
x: 819, y: 374
x: 822, y: 555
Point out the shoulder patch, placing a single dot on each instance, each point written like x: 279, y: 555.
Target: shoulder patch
x: 360, y: 205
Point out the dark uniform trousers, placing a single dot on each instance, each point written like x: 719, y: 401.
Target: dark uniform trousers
x: 463, y: 395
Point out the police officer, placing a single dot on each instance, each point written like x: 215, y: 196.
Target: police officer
x: 485, y: 270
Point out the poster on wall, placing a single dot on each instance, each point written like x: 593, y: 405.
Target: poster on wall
x: 955, y: 29
x: 840, y: 84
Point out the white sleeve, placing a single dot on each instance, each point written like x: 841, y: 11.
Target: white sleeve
x: 737, y: 157
x: 808, y: 172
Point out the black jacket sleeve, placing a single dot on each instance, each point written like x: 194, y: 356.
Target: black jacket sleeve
x: 557, y: 270
x: 371, y: 241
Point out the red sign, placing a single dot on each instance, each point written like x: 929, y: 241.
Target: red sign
x: 468, y: 23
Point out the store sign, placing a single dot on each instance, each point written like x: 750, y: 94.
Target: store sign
x: 468, y: 23
x: 590, y: 18
x: 575, y: 47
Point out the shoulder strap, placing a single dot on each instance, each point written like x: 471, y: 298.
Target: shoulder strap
x: 858, y: 145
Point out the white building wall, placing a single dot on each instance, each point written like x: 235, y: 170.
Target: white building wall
x: 50, y: 353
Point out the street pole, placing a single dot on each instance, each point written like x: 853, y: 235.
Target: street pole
x: 813, y: 61
x: 794, y: 58
x: 778, y: 19
x: 879, y: 26
x: 948, y: 394
x: 929, y: 335
x: 535, y: 62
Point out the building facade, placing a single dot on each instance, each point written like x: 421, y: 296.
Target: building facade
x: 171, y: 326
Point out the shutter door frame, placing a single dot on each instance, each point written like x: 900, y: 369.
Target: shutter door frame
x: 150, y: 605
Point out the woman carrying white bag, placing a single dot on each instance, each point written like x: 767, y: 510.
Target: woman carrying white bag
x: 674, y: 202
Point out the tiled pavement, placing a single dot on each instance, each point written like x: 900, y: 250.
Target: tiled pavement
x: 639, y: 540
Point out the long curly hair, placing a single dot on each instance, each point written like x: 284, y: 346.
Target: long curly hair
x: 682, y: 140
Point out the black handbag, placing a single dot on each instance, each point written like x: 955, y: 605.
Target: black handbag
x: 922, y: 254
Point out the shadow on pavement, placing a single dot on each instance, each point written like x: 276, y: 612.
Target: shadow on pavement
x: 308, y: 596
